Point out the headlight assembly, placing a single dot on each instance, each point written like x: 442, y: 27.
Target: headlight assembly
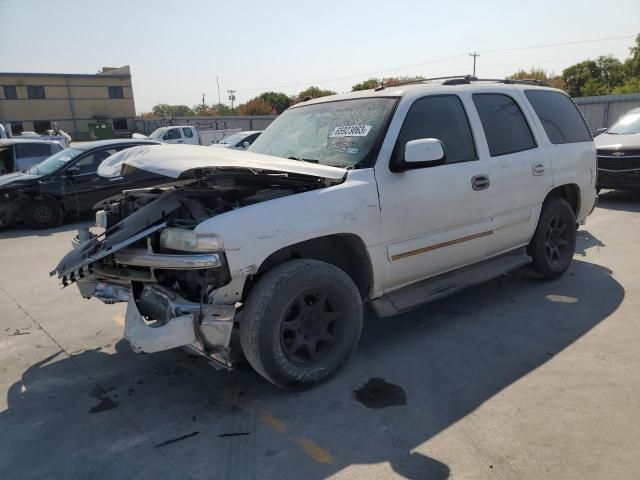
x: 190, y: 241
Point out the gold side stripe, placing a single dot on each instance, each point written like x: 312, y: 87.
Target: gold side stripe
x: 441, y: 245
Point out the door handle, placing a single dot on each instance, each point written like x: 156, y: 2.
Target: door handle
x: 480, y: 182
x: 538, y: 169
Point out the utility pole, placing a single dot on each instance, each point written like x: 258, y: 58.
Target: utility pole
x: 218, y: 82
x: 474, y: 55
x: 203, y: 104
x: 232, y: 97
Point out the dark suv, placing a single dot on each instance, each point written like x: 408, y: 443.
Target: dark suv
x: 65, y: 184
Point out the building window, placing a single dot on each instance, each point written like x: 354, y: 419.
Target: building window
x: 10, y: 92
x: 42, y: 126
x: 16, y: 128
x: 120, y: 124
x: 116, y: 92
x: 35, y: 92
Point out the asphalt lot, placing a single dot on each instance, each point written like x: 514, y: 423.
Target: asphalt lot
x: 516, y: 378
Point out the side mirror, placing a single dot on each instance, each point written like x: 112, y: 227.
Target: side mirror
x: 424, y: 152
x: 71, y: 171
x: 245, y: 145
x: 600, y: 131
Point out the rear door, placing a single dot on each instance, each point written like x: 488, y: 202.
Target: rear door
x: 83, y: 186
x: 189, y: 135
x: 520, y: 170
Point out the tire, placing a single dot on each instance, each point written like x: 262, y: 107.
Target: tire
x: 301, y: 322
x: 554, y: 241
x: 44, y: 213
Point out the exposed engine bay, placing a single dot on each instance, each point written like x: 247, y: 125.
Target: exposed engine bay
x: 150, y: 257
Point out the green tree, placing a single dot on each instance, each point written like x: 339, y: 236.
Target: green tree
x: 166, y: 110
x: 366, y: 85
x: 576, y: 76
x: 256, y: 106
x: 538, y: 73
x: 611, y: 72
x: 278, y: 100
x: 630, y: 86
x: 313, y: 92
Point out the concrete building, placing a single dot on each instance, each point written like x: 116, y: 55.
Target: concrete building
x: 85, y: 106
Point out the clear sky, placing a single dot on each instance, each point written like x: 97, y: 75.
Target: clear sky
x: 177, y: 48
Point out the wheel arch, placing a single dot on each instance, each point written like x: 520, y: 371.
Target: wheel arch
x: 345, y: 251
x: 570, y: 192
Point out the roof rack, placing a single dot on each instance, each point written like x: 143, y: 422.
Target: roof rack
x: 465, y: 80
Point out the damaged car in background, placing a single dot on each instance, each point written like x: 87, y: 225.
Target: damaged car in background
x: 393, y: 197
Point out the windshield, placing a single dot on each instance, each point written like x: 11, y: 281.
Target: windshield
x: 628, y: 124
x: 158, y: 133
x: 55, y: 162
x: 340, y: 133
x: 235, y: 138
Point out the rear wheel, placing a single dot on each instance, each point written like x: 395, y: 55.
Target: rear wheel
x: 301, y: 322
x: 44, y: 213
x: 554, y: 241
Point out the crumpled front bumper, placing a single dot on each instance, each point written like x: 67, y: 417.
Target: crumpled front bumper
x: 176, y: 332
x: 160, y: 319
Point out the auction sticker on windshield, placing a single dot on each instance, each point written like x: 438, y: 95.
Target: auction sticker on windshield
x: 351, y: 131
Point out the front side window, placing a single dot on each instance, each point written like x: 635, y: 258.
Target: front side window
x: 17, y: 128
x: 35, y: 92
x: 340, y: 133
x: 172, y: 134
x: 10, y: 92
x: 188, y: 133
x: 116, y: 92
x: 559, y: 116
x: 28, y: 150
x: 91, y: 162
x: 504, y: 125
x: 442, y: 117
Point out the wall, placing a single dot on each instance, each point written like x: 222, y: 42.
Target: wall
x: 146, y: 126
x: 604, y: 110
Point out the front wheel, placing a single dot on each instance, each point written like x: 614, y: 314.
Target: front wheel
x: 554, y: 241
x: 44, y: 213
x: 301, y: 322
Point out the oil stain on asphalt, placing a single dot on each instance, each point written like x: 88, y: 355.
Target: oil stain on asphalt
x: 377, y: 393
x: 106, y: 402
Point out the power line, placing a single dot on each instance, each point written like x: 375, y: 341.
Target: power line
x: 442, y: 59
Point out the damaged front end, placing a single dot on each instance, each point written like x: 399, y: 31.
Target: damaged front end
x: 151, y: 257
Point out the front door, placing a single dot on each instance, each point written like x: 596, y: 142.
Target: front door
x: 437, y: 218
x: 173, y: 135
x: 84, y: 187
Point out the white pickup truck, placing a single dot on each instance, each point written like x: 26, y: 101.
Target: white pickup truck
x: 393, y: 197
x: 190, y: 135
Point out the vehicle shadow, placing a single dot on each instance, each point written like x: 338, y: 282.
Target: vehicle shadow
x: 627, y: 200
x: 585, y: 240
x: 170, y: 415
x: 21, y: 231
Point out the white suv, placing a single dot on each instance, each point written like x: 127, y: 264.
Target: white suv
x: 394, y: 196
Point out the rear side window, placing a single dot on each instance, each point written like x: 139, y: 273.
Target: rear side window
x: 504, y: 125
x: 55, y: 148
x: 188, y: 133
x: 559, y: 116
x: 27, y: 150
x: 442, y: 117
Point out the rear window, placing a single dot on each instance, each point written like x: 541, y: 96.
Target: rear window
x: 504, y: 125
x: 26, y: 150
x: 560, y: 118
